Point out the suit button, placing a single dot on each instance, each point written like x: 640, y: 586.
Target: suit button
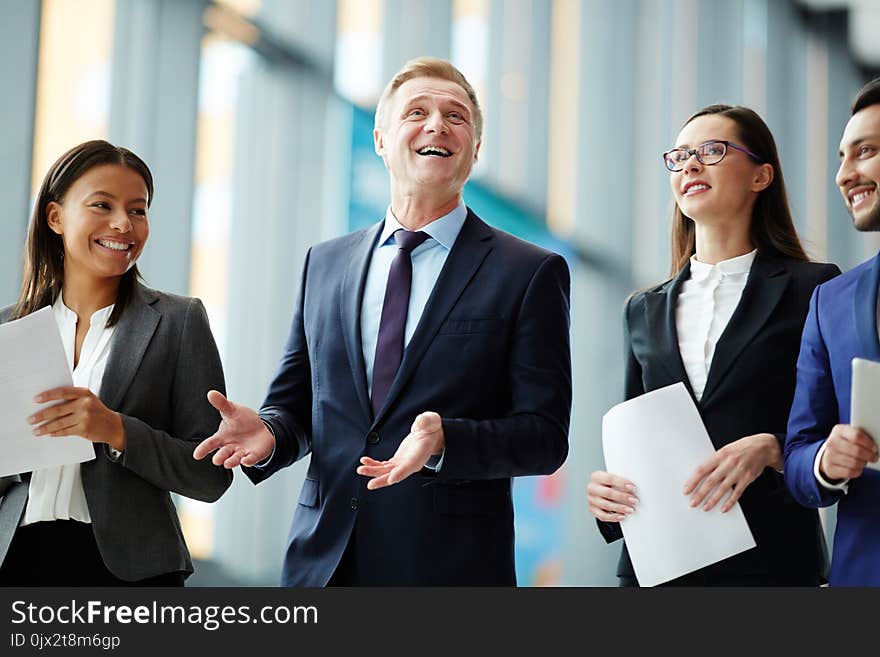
x: 373, y: 438
x: 354, y: 503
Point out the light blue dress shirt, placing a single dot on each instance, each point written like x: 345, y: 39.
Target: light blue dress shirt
x: 427, y: 260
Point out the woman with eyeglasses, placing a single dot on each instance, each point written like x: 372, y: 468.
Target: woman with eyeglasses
x: 141, y: 361
x: 728, y: 325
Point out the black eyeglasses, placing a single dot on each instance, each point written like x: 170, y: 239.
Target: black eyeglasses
x: 709, y: 152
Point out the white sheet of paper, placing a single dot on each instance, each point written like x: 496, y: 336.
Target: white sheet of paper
x: 656, y: 441
x: 864, y: 411
x: 32, y: 361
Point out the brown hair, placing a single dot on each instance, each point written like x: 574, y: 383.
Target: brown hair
x: 429, y: 67
x: 44, y: 253
x: 772, y: 230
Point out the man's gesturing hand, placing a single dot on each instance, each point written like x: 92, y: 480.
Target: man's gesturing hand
x: 425, y: 440
x: 241, y: 438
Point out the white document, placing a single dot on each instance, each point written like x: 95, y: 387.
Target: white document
x: 656, y: 441
x: 864, y: 411
x: 32, y: 360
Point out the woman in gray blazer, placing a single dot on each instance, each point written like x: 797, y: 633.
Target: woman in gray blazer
x: 142, y: 362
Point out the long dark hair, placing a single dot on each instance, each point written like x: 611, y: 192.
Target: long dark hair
x: 772, y: 229
x: 44, y: 253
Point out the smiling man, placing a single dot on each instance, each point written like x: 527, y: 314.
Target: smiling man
x: 825, y: 456
x: 427, y: 364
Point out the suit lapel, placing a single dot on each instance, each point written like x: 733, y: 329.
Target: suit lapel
x: 660, y: 318
x: 764, y: 288
x: 130, y: 340
x: 470, y: 249
x: 351, y: 299
x: 865, y: 309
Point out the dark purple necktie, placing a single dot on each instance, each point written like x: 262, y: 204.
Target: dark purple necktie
x: 389, y: 343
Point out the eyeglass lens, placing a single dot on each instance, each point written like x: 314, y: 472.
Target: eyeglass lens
x: 712, y: 152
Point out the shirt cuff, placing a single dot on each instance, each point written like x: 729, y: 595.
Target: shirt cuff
x: 262, y: 464
x: 435, y: 462
x: 841, y: 485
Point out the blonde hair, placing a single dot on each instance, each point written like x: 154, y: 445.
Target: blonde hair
x: 428, y: 67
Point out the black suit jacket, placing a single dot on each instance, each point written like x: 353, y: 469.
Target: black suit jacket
x: 749, y: 390
x: 490, y: 355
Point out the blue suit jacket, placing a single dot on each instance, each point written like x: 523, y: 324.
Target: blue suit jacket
x: 490, y: 355
x: 841, y: 324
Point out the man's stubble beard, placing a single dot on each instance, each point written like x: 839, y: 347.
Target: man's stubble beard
x: 870, y: 223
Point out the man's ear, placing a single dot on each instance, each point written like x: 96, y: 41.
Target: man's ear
x: 379, y: 145
x: 378, y: 142
x: 53, y: 217
x: 477, y: 150
x: 763, y: 178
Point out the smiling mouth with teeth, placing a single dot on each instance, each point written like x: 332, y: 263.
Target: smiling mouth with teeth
x: 116, y: 246
x: 696, y: 188
x: 435, y: 151
x: 857, y: 198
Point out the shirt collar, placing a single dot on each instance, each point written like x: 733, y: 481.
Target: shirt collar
x: 738, y: 265
x: 444, y: 229
x: 66, y: 315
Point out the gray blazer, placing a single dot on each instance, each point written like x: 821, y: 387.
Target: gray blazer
x: 162, y: 362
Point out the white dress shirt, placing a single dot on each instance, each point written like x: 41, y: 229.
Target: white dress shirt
x: 705, y: 305
x: 56, y: 493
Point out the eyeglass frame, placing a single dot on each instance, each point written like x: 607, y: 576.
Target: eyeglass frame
x: 695, y: 151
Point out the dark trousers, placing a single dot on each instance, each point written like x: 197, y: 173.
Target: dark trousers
x: 64, y: 553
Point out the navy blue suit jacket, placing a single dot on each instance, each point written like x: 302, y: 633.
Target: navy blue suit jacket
x: 842, y: 324
x: 490, y: 355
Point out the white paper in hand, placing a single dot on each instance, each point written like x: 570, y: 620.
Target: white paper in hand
x: 32, y: 361
x: 864, y: 410
x: 656, y: 441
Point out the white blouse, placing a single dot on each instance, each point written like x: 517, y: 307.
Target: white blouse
x: 56, y: 493
x: 705, y: 305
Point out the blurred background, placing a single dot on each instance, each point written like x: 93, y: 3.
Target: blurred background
x: 256, y: 117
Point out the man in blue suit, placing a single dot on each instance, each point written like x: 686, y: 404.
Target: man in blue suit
x: 825, y: 456
x: 428, y: 363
